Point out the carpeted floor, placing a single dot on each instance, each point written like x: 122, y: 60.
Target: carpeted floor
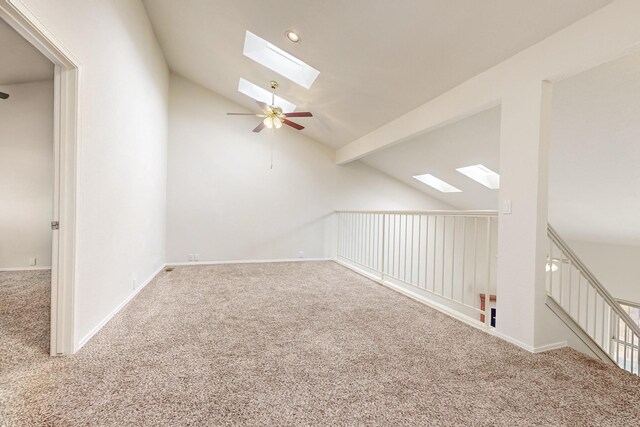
x: 290, y: 344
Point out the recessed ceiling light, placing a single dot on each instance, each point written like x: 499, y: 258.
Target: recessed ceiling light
x: 263, y: 95
x: 276, y: 59
x: 292, y: 36
x: 437, y: 183
x: 483, y: 175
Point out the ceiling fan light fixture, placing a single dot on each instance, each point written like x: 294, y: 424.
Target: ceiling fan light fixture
x: 292, y: 36
x: 273, y: 115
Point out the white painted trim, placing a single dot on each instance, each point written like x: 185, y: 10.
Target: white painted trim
x: 25, y: 268
x: 549, y: 347
x: 67, y: 83
x: 131, y: 296
x: 116, y: 310
x: 452, y: 313
x: 415, y: 296
x: 594, y: 349
x: 514, y: 341
x: 540, y: 349
x: 627, y: 302
x: 252, y: 261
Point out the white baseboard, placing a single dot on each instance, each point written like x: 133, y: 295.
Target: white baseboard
x: 531, y: 349
x: 26, y: 268
x: 245, y: 261
x: 115, y: 311
x: 424, y: 300
x: 450, y: 312
x: 514, y: 341
x: 549, y: 347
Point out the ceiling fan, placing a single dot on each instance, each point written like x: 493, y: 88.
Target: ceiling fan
x: 273, y: 115
x: 4, y: 95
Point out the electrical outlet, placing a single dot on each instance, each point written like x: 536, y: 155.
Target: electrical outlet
x: 191, y: 257
x: 300, y: 254
x: 196, y: 257
x: 33, y: 261
x: 134, y: 284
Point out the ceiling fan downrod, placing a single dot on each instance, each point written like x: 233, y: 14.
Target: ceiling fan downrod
x: 274, y: 86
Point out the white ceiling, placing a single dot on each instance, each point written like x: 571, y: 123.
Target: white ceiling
x: 594, y: 174
x: 474, y: 140
x: 21, y: 62
x: 378, y: 59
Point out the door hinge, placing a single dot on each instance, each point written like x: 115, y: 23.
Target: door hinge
x: 55, y: 225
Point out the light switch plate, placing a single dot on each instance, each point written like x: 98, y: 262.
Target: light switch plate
x: 506, y: 207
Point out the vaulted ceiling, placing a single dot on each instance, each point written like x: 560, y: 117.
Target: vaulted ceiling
x: 474, y: 140
x: 377, y: 59
x: 594, y: 178
x: 21, y: 62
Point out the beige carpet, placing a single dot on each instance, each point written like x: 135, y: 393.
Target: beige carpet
x: 291, y: 344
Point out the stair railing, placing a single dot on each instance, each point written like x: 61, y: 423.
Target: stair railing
x: 446, y: 257
x: 583, y: 297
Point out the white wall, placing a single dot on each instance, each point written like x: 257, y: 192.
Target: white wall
x: 26, y: 174
x: 225, y: 203
x: 617, y: 267
x: 122, y: 153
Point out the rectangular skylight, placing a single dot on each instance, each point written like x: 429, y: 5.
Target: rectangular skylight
x: 437, y: 183
x: 263, y: 95
x: 276, y: 59
x: 483, y: 175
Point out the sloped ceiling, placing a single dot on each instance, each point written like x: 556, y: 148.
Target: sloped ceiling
x: 378, y: 59
x: 594, y: 171
x: 468, y: 142
x: 21, y: 62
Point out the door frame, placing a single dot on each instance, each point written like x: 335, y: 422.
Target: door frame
x: 66, y: 143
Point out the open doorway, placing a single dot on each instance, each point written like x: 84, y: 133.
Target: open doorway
x: 58, y: 245
x: 26, y: 194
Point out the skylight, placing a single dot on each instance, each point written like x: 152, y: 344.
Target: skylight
x: 278, y: 60
x: 437, y: 183
x: 263, y: 95
x: 483, y: 175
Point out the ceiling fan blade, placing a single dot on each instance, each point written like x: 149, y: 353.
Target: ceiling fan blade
x: 259, y: 127
x: 4, y: 95
x: 292, y: 124
x: 299, y: 114
x: 264, y: 107
x: 242, y: 114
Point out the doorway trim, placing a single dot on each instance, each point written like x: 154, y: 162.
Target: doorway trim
x: 66, y: 143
